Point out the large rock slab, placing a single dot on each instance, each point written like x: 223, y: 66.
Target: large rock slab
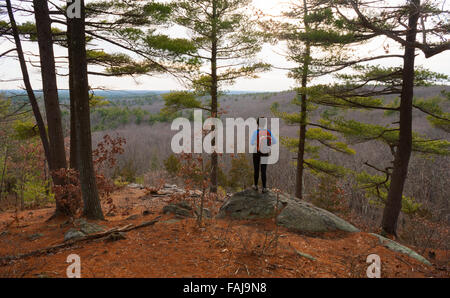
x: 73, y: 234
x: 83, y: 228
x: 181, y: 209
x: 397, y: 247
x: 89, y: 227
x: 295, y: 214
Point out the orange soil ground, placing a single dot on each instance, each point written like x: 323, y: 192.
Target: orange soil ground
x: 180, y: 249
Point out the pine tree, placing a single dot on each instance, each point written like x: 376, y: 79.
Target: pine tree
x: 415, y: 25
x: 310, y: 28
x: 227, y: 41
x: 366, y: 88
x: 50, y: 92
x: 26, y: 79
x: 128, y: 25
x: 125, y: 28
x: 77, y: 48
x: 131, y: 26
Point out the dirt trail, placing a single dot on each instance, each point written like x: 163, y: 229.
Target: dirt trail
x: 178, y: 248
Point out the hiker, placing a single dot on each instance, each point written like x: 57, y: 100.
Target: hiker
x: 263, y: 139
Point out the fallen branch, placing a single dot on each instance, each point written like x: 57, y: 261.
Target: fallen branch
x: 305, y: 255
x: 5, y: 260
x: 409, y: 264
x: 245, y: 266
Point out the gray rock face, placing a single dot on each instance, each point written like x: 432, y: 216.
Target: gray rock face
x: 83, y: 228
x: 205, y: 214
x: 395, y: 246
x: 73, y: 234
x: 89, y: 227
x: 295, y: 214
x: 35, y: 236
x: 135, y: 185
x: 181, y: 209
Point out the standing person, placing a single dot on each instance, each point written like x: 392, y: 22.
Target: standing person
x: 263, y: 139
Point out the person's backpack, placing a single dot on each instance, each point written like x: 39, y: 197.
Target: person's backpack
x: 263, y: 139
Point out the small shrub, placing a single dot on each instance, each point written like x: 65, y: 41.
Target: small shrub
x: 329, y: 196
x: 241, y: 172
x: 172, y: 165
x: 128, y: 171
x: 120, y: 182
x: 68, y: 195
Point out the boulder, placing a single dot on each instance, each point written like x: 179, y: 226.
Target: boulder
x: 35, y: 236
x: 205, y: 214
x: 294, y: 214
x: 132, y: 217
x: 397, y: 247
x: 180, y: 209
x: 73, y: 234
x: 136, y: 185
x: 88, y: 227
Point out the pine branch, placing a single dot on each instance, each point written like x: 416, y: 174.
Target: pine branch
x: 429, y: 113
x: 428, y: 50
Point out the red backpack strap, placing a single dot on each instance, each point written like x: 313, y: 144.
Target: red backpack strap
x: 257, y: 140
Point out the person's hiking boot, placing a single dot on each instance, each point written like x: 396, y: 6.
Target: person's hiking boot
x: 255, y: 187
x: 265, y: 189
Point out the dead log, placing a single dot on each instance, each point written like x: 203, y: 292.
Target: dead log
x: 7, y: 259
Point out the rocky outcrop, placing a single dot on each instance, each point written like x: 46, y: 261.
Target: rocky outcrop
x: 293, y: 213
x: 180, y: 209
x: 397, y: 247
x: 73, y: 234
x: 83, y: 228
x: 183, y: 209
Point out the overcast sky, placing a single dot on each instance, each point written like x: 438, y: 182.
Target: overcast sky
x: 275, y: 80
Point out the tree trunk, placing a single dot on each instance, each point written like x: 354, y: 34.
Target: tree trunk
x: 77, y: 45
x: 50, y: 91
x: 303, y: 107
x: 4, y: 170
x: 403, y: 153
x: 29, y: 89
x: 214, y: 91
x: 301, y: 150
x: 73, y: 136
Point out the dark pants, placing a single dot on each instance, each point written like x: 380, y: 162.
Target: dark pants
x: 256, y: 164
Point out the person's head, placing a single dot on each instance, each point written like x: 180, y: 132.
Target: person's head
x: 261, y: 121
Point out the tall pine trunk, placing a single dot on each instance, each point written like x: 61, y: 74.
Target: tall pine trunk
x: 73, y: 136
x: 214, y: 97
x: 303, y: 113
x: 26, y: 80
x: 301, y: 149
x: 77, y: 47
x: 403, y: 153
x: 50, y: 91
